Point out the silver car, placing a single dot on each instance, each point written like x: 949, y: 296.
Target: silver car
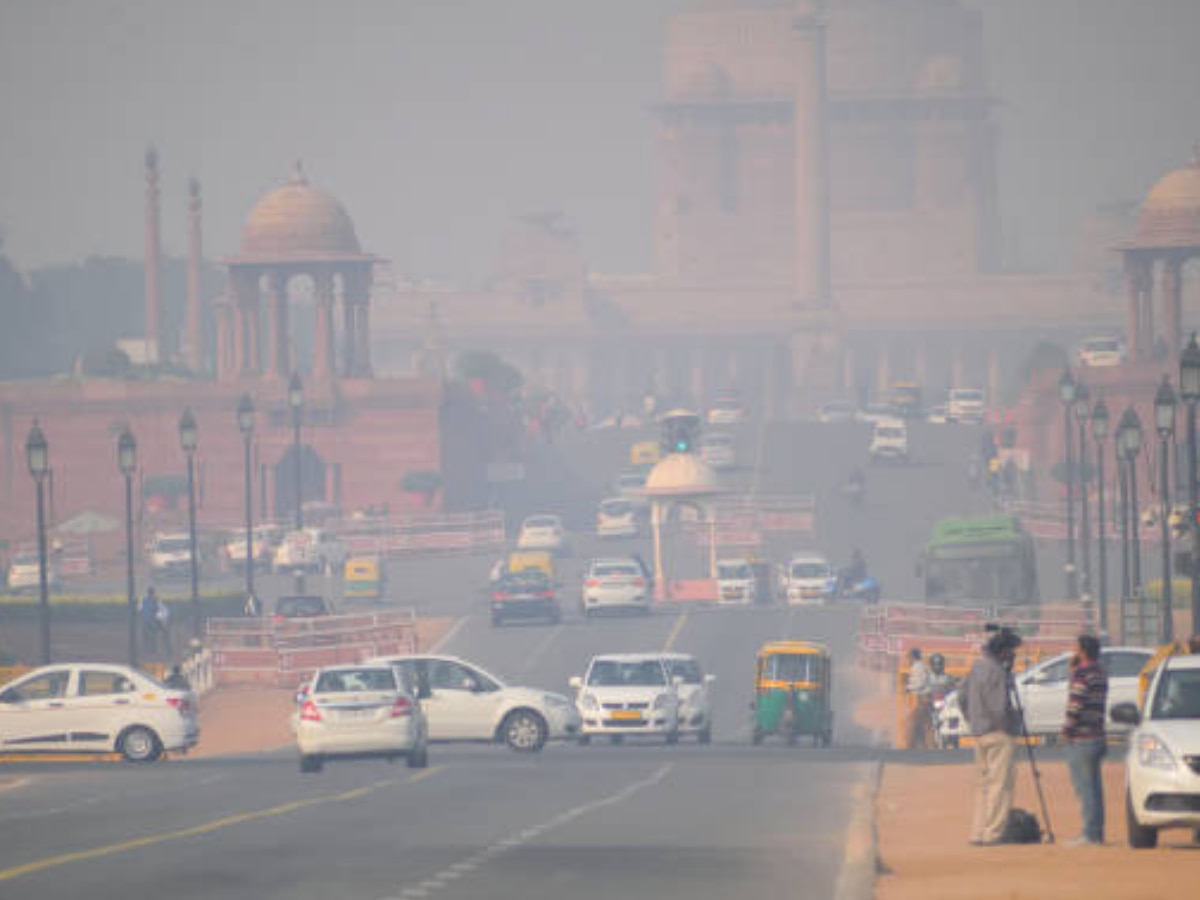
x: 617, y: 584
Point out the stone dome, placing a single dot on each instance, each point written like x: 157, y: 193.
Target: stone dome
x: 1170, y: 215
x: 298, y: 221
x: 681, y: 475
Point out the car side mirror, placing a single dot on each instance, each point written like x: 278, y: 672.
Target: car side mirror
x: 576, y: 683
x: 1125, y: 714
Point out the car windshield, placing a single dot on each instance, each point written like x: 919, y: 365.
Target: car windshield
x: 172, y: 545
x: 632, y: 480
x: 1103, y: 345
x: 345, y: 680
x: 299, y: 607
x: 810, y: 570
x: 791, y: 667
x: 616, y: 508
x: 687, y: 669
x: 889, y: 432
x: 718, y: 440
x: 541, y: 522
x: 733, y: 571
x: 525, y: 580
x: 968, y: 395
x: 1178, y: 695
x: 616, y: 570
x: 25, y: 561
x: 618, y: 673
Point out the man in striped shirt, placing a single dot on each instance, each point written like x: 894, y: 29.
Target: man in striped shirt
x: 1083, y: 732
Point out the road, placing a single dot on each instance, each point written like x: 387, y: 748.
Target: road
x: 603, y: 821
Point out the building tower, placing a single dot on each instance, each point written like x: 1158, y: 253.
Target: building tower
x: 153, y: 262
x: 812, y: 289
x: 194, y: 328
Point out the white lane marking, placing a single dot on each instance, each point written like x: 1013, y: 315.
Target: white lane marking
x: 448, y: 636
x: 525, y: 835
x: 539, y: 649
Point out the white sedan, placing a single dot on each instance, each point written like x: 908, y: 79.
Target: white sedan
x: 463, y: 702
x: 543, y: 532
x: 1043, y: 688
x: 618, y: 517
x: 359, y: 711
x: 628, y: 693
x: 96, y: 708
x: 614, y: 584
x: 1162, y: 768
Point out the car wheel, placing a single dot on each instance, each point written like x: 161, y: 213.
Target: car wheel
x: 1140, y: 837
x: 705, y: 736
x: 139, y: 744
x: 585, y: 740
x: 419, y: 757
x: 310, y: 764
x: 524, y: 731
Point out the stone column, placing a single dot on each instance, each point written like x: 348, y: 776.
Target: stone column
x: 193, y: 347
x: 921, y: 365
x: 323, y: 339
x: 349, y: 341
x: 277, y: 366
x: 1171, y: 287
x: 224, y: 349
x: 993, y: 382
x: 883, y: 374
x: 811, y: 156
x: 154, y: 342
x: 362, y: 353
x: 1140, y: 338
x: 957, y: 365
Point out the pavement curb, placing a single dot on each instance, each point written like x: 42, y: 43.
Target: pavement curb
x: 856, y: 880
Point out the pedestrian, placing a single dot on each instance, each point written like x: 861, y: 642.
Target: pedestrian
x: 986, y: 702
x: 149, y: 614
x: 253, y: 607
x: 1083, y: 732
x: 176, y: 680
x: 921, y: 703
x: 162, y: 622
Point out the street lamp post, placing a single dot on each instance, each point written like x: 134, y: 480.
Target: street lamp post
x: 1082, y: 409
x: 187, y: 439
x: 1164, y: 421
x: 37, y: 454
x: 1099, y: 433
x: 1189, y: 390
x: 1066, y: 393
x: 1133, y: 446
x: 245, y: 422
x: 296, y: 403
x: 1123, y: 488
x: 127, y: 463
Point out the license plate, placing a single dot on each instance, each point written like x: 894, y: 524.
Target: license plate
x: 626, y: 715
x: 356, y: 715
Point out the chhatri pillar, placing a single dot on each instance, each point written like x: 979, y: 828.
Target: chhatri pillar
x: 193, y: 338
x: 153, y: 290
x: 812, y: 247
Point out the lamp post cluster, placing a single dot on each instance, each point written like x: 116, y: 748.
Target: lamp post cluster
x: 37, y: 452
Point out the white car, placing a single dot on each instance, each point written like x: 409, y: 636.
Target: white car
x: 809, y: 578
x: 543, y: 532
x: 614, y: 584
x: 726, y: 410
x: 1042, y: 689
x: 719, y: 450
x: 1162, y: 767
x: 835, y: 412
x: 463, y: 702
x: 1101, y: 351
x: 629, y: 484
x: 25, y: 574
x: 736, y: 582
x: 96, y: 708
x: 310, y: 550
x: 359, y: 711
x: 889, y: 441
x: 695, y: 704
x: 966, y: 405
x: 618, y: 517
x: 628, y: 693
x: 171, y: 555
x: 874, y: 412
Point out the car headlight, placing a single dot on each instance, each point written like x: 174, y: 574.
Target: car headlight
x: 1153, y: 753
x: 589, y: 702
x: 557, y: 700
x: 662, y: 701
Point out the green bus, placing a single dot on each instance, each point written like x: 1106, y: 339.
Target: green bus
x: 987, y: 560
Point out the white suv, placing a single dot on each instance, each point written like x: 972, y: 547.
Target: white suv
x: 614, y: 584
x: 543, y: 532
x: 171, y: 555
x: 889, y: 441
x: 310, y: 550
x: 809, y: 579
x: 1162, y: 768
x: 1043, y: 688
x: 463, y: 702
x: 628, y: 693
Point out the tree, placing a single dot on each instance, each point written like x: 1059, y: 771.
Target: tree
x: 489, y: 370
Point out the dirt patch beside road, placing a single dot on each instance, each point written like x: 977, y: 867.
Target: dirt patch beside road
x: 924, y: 818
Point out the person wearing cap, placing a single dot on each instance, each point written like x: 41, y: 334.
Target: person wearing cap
x: 987, y: 705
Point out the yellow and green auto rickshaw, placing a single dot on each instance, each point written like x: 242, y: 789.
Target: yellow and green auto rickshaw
x: 793, y: 692
x: 365, y: 577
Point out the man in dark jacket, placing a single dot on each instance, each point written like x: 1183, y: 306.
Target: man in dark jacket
x: 987, y: 704
x: 1083, y: 731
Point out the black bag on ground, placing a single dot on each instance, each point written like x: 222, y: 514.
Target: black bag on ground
x: 1022, y: 828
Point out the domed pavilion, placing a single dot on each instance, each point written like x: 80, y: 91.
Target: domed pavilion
x: 1166, y: 237
x: 296, y: 230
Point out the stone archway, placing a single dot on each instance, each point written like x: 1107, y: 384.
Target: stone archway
x: 312, y: 480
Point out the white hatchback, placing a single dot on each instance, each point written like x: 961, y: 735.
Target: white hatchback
x: 464, y: 702
x: 1042, y: 689
x: 543, y: 532
x: 96, y: 708
x: 809, y: 579
x: 618, y: 583
x: 1162, y: 768
x: 628, y: 694
x: 359, y: 711
x: 618, y: 517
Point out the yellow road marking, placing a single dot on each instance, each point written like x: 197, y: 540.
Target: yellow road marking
x: 53, y: 862
x: 674, y: 633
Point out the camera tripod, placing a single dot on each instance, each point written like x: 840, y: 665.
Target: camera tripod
x: 1033, y: 766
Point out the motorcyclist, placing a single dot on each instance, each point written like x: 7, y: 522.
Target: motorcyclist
x: 856, y: 572
x: 856, y: 486
x: 940, y: 681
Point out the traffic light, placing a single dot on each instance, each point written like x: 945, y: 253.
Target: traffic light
x: 679, y: 432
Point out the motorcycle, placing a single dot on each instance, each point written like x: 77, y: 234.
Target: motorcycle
x: 949, y: 724
x: 867, y: 588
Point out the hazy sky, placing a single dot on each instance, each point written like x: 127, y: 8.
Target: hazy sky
x: 437, y: 121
